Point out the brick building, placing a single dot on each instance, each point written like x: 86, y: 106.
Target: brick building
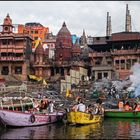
x: 114, y: 54
x: 15, y: 51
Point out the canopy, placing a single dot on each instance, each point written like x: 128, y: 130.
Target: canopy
x: 35, y: 77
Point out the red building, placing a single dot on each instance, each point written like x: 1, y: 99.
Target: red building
x: 65, y: 55
x: 63, y: 44
x: 15, y: 51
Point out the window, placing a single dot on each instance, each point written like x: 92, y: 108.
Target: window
x: 32, y: 31
x: 36, y: 31
x: 5, y: 42
x: 105, y: 74
x: 117, y: 64
x: 122, y: 64
x: 5, y: 70
x: 98, y: 38
x: 18, y: 70
x: 107, y: 37
x: 128, y: 64
x: 6, y: 28
x: 3, y: 54
x: 99, y: 75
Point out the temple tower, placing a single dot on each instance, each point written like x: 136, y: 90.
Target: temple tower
x: 128, y: 27
x: 7, y: 25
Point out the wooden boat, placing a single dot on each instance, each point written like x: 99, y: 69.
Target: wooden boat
x: 82, y: 118
x: 18, y: 118
x: 14, y: 103
x: 116, y: 113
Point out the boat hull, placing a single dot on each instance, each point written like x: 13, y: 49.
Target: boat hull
x: 15, y: 118
x: 83, y: 118
x: 121, y: 114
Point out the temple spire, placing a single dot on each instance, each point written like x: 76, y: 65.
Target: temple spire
x: 64, y: 24
x: 128, y: 27
x: 83, y: 39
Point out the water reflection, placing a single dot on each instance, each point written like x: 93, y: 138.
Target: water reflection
x: 52, y: 131
x: 84, y: 132
x: 110, y: 129
x: 122, y: 128
x: 40, y: 132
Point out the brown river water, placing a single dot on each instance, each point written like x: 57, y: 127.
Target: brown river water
x: 110, y: 128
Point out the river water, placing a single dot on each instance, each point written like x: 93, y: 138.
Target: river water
x: 110, y: 128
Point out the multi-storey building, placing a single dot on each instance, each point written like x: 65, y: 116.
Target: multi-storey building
x: 65, y: 55
x: 15, y: 51
x: 110, y: 56
x: 114, y: 54
x: 36, y: 30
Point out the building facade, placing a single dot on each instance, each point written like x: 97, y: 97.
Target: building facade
x: 114, y: 54
x: 15, y: 51
x: 36, y: 30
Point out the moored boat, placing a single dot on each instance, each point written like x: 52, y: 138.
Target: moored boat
x: 14, y: 103
x: 18, y: 118
x: 116, y: 113
x: 83, y: 118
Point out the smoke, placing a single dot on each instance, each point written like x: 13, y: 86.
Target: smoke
x: 135, y: 78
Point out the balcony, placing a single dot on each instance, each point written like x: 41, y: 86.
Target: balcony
x: 19, y: 47
x: 125, y: 52
x: 10, y: 58
x: 99, y: 54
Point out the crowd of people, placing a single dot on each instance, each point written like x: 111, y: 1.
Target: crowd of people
x: 128, y: 106
x: 43, y: 105
x: 95, y: 109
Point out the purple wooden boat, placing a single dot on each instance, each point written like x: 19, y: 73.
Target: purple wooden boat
x: 19, y: 118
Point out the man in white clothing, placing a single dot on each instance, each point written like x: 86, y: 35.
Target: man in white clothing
x: 81, y: 106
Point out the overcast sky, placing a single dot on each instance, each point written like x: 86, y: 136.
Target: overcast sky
x: 78, y: 15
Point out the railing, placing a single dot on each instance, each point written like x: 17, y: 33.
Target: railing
x: 99, y: 54
x: 114, y: 52
x: 132, y: 51
x: 10, y: 58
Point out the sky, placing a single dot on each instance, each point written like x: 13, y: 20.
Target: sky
x: 78, y: 15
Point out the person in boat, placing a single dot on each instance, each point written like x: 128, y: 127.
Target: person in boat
x: 81, y: 106
x: 74, y: 107
x: 44, y: 104
x: 78, y: 98
x: 121, y: 105
x: 134, y: 106
x: 98, y: 107
x: 137, y: 107
x: 127, y: 107
x: 35, y: 105
x: 51, y: 107
x: 89, y: 109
